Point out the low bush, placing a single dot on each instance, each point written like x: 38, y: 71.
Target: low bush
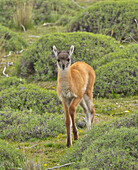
x: 114, y: 18
x: 115, y: 150
x: 10, y: 158
x: 7, y: 9
x: 6, y: 83
x: 53, y: 11
x: 39, y: 61
x: 24, y: 125
x: 30, y: 97
x: 117, y: 77
x: 111, y: 145
x: 125, y: 52
x: 41, y: 11
x: 114, y: 64
x: 10, y: 41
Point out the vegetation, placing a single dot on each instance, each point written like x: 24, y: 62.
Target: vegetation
x: 10, y: 41
x: 125, y: 52
x: 110, y: 145
x: 117, y: 77
x: 16, y: 12
x: 32, y: 130
x: 24, y: 13
x: 56, y: 11
x: 30, y: 97
x: 7, y: 8
x: 40, y: 61
x: 114, y: 64
x: 114, y: 18
x: 10, y: 158
x: 10, y: 82
x: 23, y: 125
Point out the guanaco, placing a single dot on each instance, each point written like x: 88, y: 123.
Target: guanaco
x: 74, y: 87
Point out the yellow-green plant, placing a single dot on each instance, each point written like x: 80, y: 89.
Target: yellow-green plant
x: 23, y: 14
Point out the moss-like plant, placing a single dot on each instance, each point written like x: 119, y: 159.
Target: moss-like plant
x: 111, y: 145
x: 114, y: 18
x: 38, y: 12
x: 24, y: 125
x: 30, y: 97
x: 7, y: 9
x: 40, y: 61
x: 6, y: 83
x: 10, y: 158
x: 117, y: 77
x: 114, y: 64
x: 53, y: 11
x: 10, y: 41
x: 124, y: 52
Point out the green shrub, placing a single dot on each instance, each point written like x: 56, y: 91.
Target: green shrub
x: 114, y: 18
x: 30, y: 97
x: 51, y: 11
x: 114, y: 65
x: 115, y: 150
x: 10, y: 41
x: 24, y: 125
x: 43, y: 11
x: 125, y: 52
x: 111, y: 145
x: 5, y: 83
x: 9, y: 157
x: 7, y: 9
x: 39, y: 61
x: 117, y: 77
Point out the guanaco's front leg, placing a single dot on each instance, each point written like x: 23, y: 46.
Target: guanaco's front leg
x: 67, y: 124
x: 72, y: 110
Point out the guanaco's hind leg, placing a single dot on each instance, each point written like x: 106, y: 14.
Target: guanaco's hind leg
x: 90, y: 110
x: 87, y: 113
x: 88, y: 98
x: 67, y: 124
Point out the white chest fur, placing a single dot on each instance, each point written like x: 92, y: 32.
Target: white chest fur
x: 64, y: 86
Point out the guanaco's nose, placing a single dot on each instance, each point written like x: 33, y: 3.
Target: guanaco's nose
x: 63, y: 66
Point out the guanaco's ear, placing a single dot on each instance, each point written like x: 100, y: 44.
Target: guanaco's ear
x: 55, y: 50
x: 71, y: 50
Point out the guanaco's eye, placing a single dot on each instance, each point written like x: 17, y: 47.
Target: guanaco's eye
x: 58, y: 60
x: 68, y: 59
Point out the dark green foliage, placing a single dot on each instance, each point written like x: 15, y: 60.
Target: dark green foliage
x: 115, y: 65
x: 112, y: 145
x: 32, y: 98
x: 125, y: 52
x: 40, y: 61
x: 7, y: 9
x: 117, y: 149
x: 117, y: 77
x: 60, y: 11
x: 24, y: 125
x: 10, y: 41
x: 53, y: 11
x: 6, y: 83
x: 10, y: 158
x: 114, y: 18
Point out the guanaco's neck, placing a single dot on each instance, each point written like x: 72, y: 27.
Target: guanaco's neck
x: 64, y: 75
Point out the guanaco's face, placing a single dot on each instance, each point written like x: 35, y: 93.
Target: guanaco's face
x: 63, y: 57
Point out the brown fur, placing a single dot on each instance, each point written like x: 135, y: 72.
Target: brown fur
x: 75, y: 86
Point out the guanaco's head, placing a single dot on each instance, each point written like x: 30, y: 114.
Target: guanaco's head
x: 63, y: 57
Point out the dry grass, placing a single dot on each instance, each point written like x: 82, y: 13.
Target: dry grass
x: 23, y: 14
